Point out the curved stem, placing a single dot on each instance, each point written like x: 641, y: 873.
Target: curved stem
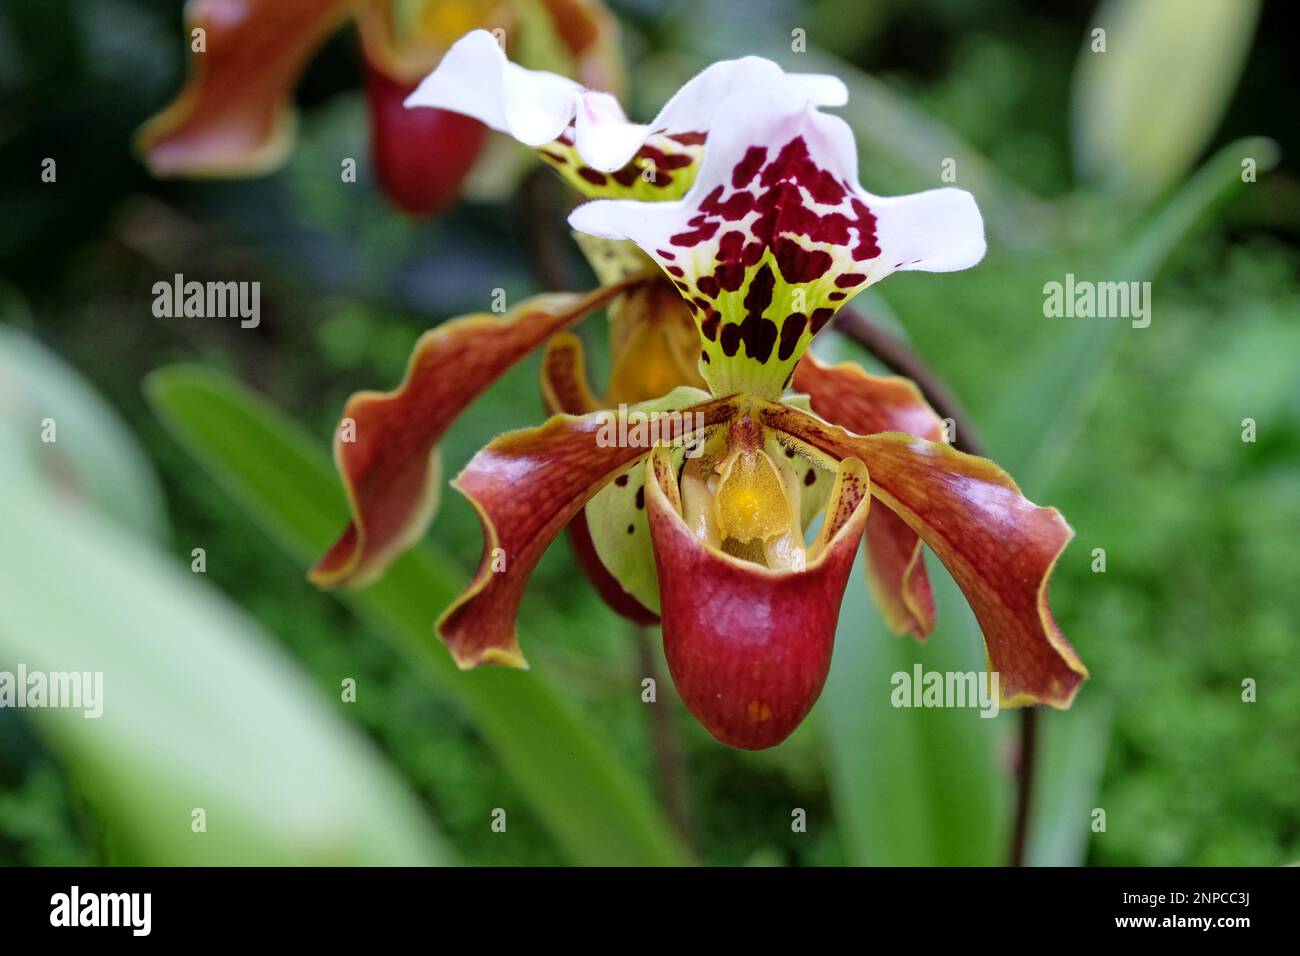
x: 901, y: 360
x: 670, y: 760
x: 541, y: 226
x: 894, y: 354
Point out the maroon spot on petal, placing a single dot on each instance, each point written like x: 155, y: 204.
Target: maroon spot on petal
x: 836, y: 296
x: 810, y: 478
x: 758, y: 333
x: 730, y: 339
x: 664, y: 160
x: 626, y: 176
x: 640, y: 498
x: 595, y: 177
x: 759, y: 296
x: 759, y: 336
x: 709, y: 327
x: 748, y: 166
x: 798, y: 264
x: 731, y: 276
x: 707, y: 286
x: 733, y: 208
x: 819, y: 318
x: 675, y: 271
x: 689, y: 139
x: 703, y: 231
x: 793, y: 163
x: 554, y: 157
x: 849, y: 279
x: 621, y: 480
x: 664, y: 253
x: 791, y: 329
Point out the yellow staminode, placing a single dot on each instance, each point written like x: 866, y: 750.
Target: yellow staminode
x: 751, y: 499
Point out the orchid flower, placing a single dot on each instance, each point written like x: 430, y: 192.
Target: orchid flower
x: 233, y: 118
x: 391, y: 480
x: 707, y: 515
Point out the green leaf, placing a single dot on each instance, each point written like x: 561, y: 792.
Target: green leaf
x: 910, y: 787
x: 1071, y: 758
x: 199, y: 710
x: 1145, y: 107
x: 1033, y: 430
x: 92, y: 457
x: 1046, y: 400
x: 594, y: 808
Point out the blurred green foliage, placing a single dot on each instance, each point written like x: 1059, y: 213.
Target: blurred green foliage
x: 1202, y: 585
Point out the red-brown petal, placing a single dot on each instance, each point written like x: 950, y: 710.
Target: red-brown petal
x: 386, y: 470
x: 749, y: 647
x: 896, y: 575
x: 231, y: 118
x: 564, y: 378
x: 999, y: 547
x: 868, y: 404
x: 846, y: 395
x: 526, y: 486
x: 565, y: 392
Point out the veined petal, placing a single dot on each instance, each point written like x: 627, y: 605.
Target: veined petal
x: 526, y: 486
x: 232, y: 118
x: 999, y: 547
x: 868, y: 404
x: 896, y: 575
x: 565, y: 392
x: 384, y: 455
x: 860, y: 402
x: 748, y: 646
x: 585, y: 135
x: 776, y: 234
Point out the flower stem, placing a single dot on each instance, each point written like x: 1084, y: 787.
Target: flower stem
x: 670, y: 762
x: 895, y: 355
x: 542, y: 225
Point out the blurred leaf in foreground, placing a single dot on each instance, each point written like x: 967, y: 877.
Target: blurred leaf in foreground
x: 597, y: 812
x: 94, y: 458
x: 197, y: 710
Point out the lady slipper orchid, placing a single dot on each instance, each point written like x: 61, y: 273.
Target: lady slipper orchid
x: 719, y: 486
x: 386, y: 465
x: 233, y: 117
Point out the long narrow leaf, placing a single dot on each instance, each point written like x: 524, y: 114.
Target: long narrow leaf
x: 597, y: 812
x: 195, y: 740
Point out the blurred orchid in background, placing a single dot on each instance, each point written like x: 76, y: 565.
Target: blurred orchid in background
x: 233, y: 118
